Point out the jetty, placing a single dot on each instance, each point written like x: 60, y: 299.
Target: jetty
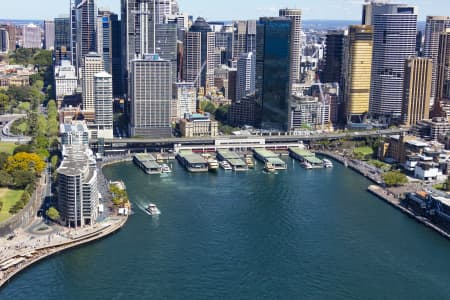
x: 192, y: 162
x: 306, y: 157
x: 233, y: 159
x: 267, y: 156
x: 147, y: 163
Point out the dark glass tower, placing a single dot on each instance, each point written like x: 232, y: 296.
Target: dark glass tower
x: 273, y: 72
x: 333, y: 57
x: 62, y: 40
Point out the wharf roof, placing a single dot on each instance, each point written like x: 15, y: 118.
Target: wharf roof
x: 313, y: 160
x: 301, y: 152
x: 237, y: 162
x: 276, y: 161
x: 227, y: 154
x: 151, y: 165
x: 266, y: 153
x: 144, y: 157
x: 193, y: 158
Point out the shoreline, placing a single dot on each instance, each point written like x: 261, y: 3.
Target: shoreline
x: 54, y: 250
x: 382, y: 194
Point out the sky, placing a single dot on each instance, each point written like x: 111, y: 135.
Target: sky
x: 224, y: 9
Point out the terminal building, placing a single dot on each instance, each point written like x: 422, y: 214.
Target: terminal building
x: 198, y: 125
x: 78, y: 196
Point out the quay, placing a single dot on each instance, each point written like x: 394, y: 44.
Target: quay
x: 233, y: 159
x: 192, y: 162
x: 267, y: 156
x: 147, y: 163
x: 19, y: 261
x: 308, y: 159
x: 387, y: 197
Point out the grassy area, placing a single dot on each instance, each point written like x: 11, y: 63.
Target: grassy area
x: 9, y: 198
x: 364, y: 150
x: 7, y: 147
x: 380, y: 165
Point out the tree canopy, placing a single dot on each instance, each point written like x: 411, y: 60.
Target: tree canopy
x: 394, y: 178
x: 25, y: 162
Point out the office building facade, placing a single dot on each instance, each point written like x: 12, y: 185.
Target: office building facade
x: 296, y: 41
x: 394, y: 40
x: 92, y: 64
x: 186, y: 97
x: 31, y: 36
x: 63, y: 47
x: 246, y: 75
x: 49, y: 35
x: 356, y: 73
x: 417, y: 90
x: 84, y: 31
x: 244, y: 38
x: 103, y: 97
x: 443, y: 67
x: 150, y: 97
x: 273, y: 72
x: 4, y: 40
x: 333, y: 56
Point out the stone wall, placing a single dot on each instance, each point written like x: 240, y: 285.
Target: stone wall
x: 27, y: 214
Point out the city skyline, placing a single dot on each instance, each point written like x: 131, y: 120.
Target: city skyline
x: 348, y: 9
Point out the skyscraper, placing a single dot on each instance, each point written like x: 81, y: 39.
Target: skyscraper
x: 150, y: 96
x: 49, y: 34
x: 103, y: 98
x: 84, y: 33
x: 31, y: 36
x: 12, y: 35
x: 104, y: 37
x: 394, y: 40
x: 63, y: 49
x: 92, y: 64
x: 357, y: 67
x: 186, y: 96
x: 333, y: 56
x: 4, y: 40
x: 116, y: 57
x: 296, y: 41
x: 416, y: 90
x: 273, y: 59
x: 443, y: 69
x: 434, y: 27
x: 246, y: 75
x: 200, y: 43
x: 244, y: 39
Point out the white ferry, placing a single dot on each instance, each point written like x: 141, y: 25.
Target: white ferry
x: 213, y: 165
x: 306, y: 165
x: 165, y: 168
x: 225, y: 165
x: 153, y: 210
x: 268, y: 167
x: 327, y: 163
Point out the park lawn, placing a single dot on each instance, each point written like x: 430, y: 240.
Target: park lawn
x: 363, y: 150
x: 9, y: 198
x: 7, y: 147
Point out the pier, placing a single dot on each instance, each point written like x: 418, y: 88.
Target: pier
x: 233, y: 159
x: 308, y: 158
x: 267, y: 156
x: 147, y: 163
x: 192, y: 162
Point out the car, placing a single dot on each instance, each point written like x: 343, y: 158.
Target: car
x: 11, y: 237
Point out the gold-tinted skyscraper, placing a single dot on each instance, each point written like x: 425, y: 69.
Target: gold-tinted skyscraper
x: 357, y: 71
x: 417, y: 90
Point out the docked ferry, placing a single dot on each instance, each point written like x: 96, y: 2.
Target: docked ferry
x: 269, y: 167
x: 327, y: 163
x: 213, y: 165
x: 225, y: 165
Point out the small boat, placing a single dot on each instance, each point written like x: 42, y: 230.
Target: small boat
x: 268, y: 167
x: 213, y: 165
x: 225, y: 165
x: 153, y: 210
x: 249, y: 162
x: 165, y: 168
x: 306, y: 165
x: 327, y: 163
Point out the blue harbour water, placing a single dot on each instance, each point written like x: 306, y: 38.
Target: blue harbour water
x: 293, y: 235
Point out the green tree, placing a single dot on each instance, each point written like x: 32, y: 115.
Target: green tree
x: 22, y: 178
x: 52, y: 111
x: 3, y: 159
x: 26, y: 162
x: 53, y: 214
x: 54, y: 161
x: 38, y: 84
x: 394, y: 178
x: 4, y: 103
x: 42, y: 125
x: 23, y: 148
x: 52, y: 128
x: 6, y: 179
x: 222, y: 113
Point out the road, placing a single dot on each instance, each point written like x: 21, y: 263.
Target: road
x: 6, y: 135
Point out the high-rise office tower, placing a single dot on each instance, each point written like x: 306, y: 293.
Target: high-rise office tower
x: 12, y: 35
x: 116, y: 57
x: 273, y: 72
x: 31, y: 36
x: 296, y: 40
x: 103, y: 98
x: 199, y: 54
x: 434, y: 27
x: 244, y: 39
x: 417, y: 90
x: 139, y: 20
x: 4, y: 40
x: 150, y: 96
x: 333, y: 56
x: 49, y: 34
x: 62, y: 40
x: 84, y: 33
x: 186, y: 96
x: 368, y: 7
x: 166, y: 45
x: 394, y: 40
x: 356, y: 73
x: 224, y: 42
x: 92, y: 64
x: 246, y: 75
x: 443, y: 68
x: 104, y: 37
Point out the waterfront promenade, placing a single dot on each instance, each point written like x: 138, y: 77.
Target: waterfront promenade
x: 24, y: 250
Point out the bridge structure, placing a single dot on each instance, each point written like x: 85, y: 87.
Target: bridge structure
x: 209, y: 144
